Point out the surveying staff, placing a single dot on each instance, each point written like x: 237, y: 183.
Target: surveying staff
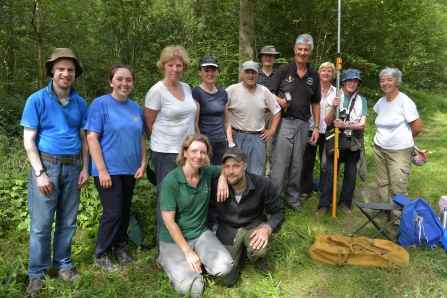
x: 354, y: 105
x: 55, y: 142
x: 302, y: 82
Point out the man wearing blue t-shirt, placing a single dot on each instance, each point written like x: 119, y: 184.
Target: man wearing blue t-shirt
x: 55, y: 142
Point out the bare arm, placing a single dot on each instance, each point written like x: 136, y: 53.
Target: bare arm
x: 352, y: 126
x: 83, y: 176
x: 44, y: 183
x: 196, y: 118
x: 416, y: 126
x: 227, y: 125
x: 96, y: 153
x: 281, y: 101
x: 149, y: 119
x: 142, y: 168
x: 329, y: 116
x: 268, y: 133
x: 316, y: 115
x: 191, y: 257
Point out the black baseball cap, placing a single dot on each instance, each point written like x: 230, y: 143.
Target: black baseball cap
x: 208, y: 61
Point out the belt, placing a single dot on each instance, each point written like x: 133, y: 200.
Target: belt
x: 289, y: 117
x: 66, y: 159
x: 247, y: 132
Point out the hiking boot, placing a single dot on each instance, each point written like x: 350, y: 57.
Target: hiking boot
x: 122, y: 256
x: 297, y: 208
x: 105, y: 264
x: 157, y: 262
x: 35, y: 287
x: 322, y: 211
x: 263, y: 265
x: 345, y: 209
x: 68, y: 274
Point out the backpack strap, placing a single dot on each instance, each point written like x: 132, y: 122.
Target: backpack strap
x: 401, y: 200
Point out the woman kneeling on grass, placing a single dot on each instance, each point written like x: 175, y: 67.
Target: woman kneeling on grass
x: 185, y: 240
x: 115, y: 135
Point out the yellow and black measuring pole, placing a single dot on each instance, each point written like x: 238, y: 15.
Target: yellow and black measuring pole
x: 336, y: 116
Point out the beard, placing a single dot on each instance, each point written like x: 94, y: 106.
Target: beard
x: 234, y: 182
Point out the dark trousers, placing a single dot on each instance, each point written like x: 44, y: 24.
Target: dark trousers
x: 219, y: 149
x: 116, y: 202
x: 309, y: 162
x: 164, y: 163
x: 350, y: 160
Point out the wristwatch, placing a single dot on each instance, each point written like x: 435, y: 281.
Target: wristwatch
x: 349, y: 125
x: 38, y: 173
x: 231, y: 145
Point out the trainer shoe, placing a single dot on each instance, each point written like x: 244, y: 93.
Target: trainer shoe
x: 263, y: 265
x: 68, y: 274
x: 296, y: 208
x: 345, y: 209
x: 35, y: 287
x: 322, y: 211
x: 157, y: 262
x: 122, y: 256
x: 105, y: 264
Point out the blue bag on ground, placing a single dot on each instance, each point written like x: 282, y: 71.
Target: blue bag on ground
x: 419, y: 224
x: 444, y: 238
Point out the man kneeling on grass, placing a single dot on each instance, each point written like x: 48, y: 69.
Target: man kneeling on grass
x: 243, y: 227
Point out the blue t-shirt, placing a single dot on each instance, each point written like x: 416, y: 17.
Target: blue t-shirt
x: 212, y: 108
x: 120, y: 126
x: 57, y: 126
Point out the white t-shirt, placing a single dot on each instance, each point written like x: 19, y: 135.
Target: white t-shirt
x: 323, y: 125
x: 246, y: 110
x: 175, y: 119
x: 392, y: 122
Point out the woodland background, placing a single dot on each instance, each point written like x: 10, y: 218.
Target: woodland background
x: 408, y: 34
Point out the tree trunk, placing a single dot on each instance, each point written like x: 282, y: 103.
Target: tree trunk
x: 246, y: 29
x: 37, y: 24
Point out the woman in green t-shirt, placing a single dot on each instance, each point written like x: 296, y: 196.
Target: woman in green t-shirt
x: 186, y: 243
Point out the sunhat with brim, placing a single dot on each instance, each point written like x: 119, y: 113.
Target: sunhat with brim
x: 418, y: 157
x: 269, y: 50
x: 208, y: 61
x: 63, y: 53
x: 351, y: 74
x: 250, y: 64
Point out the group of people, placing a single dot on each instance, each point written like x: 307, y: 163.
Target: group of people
x: 209, y: 148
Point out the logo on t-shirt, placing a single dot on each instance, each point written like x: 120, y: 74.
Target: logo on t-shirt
x: 289, y: 79
x: 310, y: 81
x: 206, y: 188
x: 135, y: 118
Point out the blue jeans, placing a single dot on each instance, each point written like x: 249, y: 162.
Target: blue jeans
x: 288, y: 146
x: 64, y: 202
x: 254, y: 147
x: 163, y: 164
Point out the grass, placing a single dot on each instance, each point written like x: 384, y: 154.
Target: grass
x: 295, y: 273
